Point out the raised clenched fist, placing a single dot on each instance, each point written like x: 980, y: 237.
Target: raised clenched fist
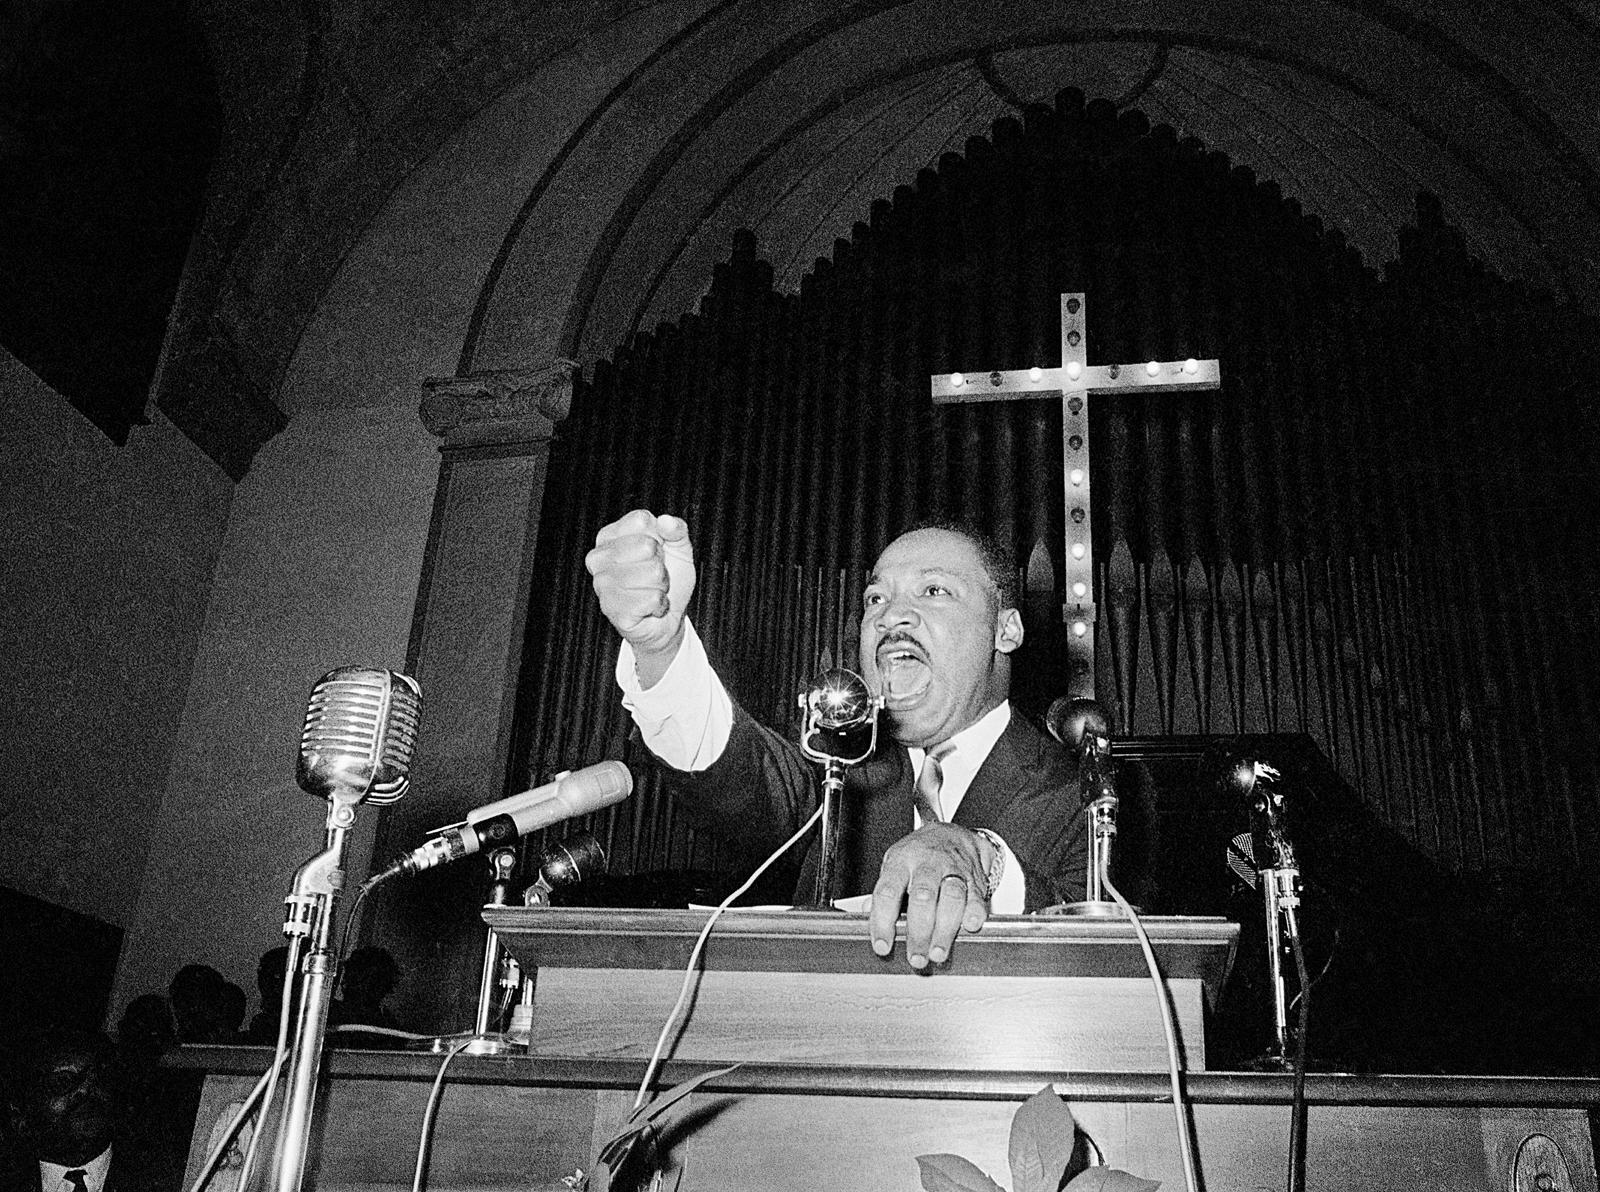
x: 643, y: 569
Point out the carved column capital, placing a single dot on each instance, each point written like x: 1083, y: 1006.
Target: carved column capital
x: 498, y: 408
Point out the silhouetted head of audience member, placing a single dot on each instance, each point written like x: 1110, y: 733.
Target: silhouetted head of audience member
x: 64, y: 1107
x: 198, y: 996
x: 145, y: 1029
x: 234, y: 1004
x: 271, y: 975
x: 370, y: 975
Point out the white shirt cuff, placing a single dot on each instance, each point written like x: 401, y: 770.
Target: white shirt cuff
x: 686, y: 716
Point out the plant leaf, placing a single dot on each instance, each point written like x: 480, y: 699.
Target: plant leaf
x: 952, y: 1173
x: 1043, y: 1133
x: 640, y: 1127
x: 1109, y: 1179
x: 655, y: 1107
x: 615, y: 1153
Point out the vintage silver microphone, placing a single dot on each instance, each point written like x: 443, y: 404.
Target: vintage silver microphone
x: 840, y: 729
x: 360, y: 732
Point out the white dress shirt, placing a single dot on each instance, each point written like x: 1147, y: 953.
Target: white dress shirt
x: 53, y: 1176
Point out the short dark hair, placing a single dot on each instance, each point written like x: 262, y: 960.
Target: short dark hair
x: 999, y: 563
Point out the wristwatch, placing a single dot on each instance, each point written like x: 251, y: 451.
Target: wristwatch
x: 997, y: 867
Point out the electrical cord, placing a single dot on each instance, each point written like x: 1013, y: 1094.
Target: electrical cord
x: 699, y: 944
x: 1180, y: 1106
x: 362, y: 891
x: 429, y: 1113
x: 1297, y: 1106
x: 264, y: 1087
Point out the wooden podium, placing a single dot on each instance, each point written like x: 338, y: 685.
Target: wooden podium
x: 803, y: 987
x: 851, y: 1066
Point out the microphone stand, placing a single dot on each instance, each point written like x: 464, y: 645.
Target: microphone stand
x: 1087, y: 722
x: 503, y: 864
x: 1280, y: 892
x: 840, y: 730
x: 309, y: 915
x: 827, y: 860
x: 1102, y: 829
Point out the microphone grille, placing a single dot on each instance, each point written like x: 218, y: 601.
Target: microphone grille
x: 839, y: 699
x: 360, y: 732
x: 1242, y: 859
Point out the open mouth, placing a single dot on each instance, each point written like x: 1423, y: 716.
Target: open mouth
x: 903, y: 668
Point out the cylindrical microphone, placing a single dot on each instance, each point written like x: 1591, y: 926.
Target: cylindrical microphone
x: 573, y: 794
x: 360, y: 732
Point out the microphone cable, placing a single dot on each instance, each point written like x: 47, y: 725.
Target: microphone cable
x: 264, y: 1088
x: 362, y: 891
x: 699, y: 945
x: 1297, y: 1103
x: 1180, y: 1106
x: 423, y: 1147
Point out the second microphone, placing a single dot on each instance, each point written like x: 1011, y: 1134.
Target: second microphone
x: 576, y: 793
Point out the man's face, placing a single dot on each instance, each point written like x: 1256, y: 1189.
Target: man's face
x: 934, y: 640
x: 68, y: 1110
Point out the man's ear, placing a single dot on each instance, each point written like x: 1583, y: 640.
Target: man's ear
x: 1008, y: 631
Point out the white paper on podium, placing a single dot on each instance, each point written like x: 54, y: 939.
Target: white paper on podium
x: 859, y: 904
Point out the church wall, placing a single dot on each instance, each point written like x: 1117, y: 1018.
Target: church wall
x: 105, y: 570
x: 318, y: 568
x: 322, y: 560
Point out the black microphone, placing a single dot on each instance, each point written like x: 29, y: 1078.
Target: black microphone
x: 360, y: 732
x: 1254, y: 782
x: 565, y: 864
x: 1073, y: 721
x: 1083, y: 727
x: 572, y: 794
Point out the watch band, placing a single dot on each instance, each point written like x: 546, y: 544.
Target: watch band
x: 997, y: 867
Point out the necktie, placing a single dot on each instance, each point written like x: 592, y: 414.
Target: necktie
x: 929, y: 781
x: 74, y: 1179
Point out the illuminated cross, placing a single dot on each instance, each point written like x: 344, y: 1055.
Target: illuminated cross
x: 1075, y: 380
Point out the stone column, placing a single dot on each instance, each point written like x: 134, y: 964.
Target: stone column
x: 466, y: 651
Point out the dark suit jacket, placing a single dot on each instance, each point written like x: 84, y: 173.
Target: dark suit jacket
x: 762, y: 788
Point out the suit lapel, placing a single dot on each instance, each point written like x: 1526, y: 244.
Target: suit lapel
x: 1010, y: 767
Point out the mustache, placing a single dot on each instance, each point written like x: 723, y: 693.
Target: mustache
x: 898, y: 637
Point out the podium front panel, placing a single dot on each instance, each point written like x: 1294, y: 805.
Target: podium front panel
x: 801, y: 987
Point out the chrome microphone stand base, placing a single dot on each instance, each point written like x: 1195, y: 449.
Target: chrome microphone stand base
x: 495, y: 1046
x: 1097, y: 909
x: 1102, y: 834
x: 481, y: 1045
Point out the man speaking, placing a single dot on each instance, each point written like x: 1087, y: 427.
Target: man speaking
x: 969, y: 810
